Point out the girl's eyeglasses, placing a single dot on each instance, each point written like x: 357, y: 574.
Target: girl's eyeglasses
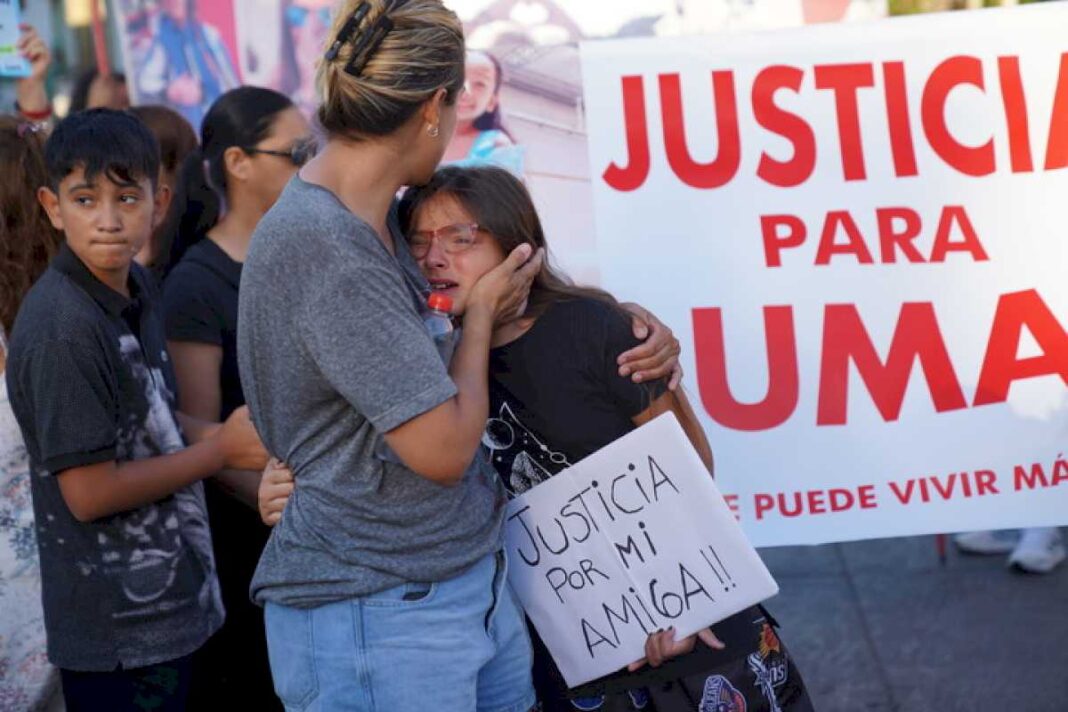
x: 453, y: 239
x: 299, y: 153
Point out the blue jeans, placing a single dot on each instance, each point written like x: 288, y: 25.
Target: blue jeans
x: 455, y: 646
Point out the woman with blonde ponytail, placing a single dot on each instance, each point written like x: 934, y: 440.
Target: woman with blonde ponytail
x: 384, y: 583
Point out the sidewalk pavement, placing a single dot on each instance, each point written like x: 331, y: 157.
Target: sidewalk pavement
x: 882, y: 626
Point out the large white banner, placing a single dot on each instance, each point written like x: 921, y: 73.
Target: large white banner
x: 633, y: 539
x: 858, y: 232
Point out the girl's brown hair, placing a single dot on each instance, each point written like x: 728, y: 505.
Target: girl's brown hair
x: 501, y: 205
x: 422, y: 53
x: 176, y: 137
x: 27, y: 238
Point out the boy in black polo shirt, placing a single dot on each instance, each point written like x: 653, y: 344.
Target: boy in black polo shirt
x: 129, y: 583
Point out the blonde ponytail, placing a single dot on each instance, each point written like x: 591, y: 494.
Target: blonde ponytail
x: 420, y: 51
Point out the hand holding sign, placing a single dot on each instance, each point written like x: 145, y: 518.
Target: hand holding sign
x: 662, y: 646
x: 631, y: 541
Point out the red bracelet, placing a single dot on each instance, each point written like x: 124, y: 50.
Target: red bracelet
x: 34, y: 115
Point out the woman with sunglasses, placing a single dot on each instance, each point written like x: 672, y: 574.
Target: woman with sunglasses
x: 252, y: 142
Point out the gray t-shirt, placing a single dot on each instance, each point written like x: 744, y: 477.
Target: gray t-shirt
x: 333, y: 351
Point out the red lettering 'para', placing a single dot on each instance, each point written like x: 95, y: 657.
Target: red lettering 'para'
x: 854, y: 244
x: 889, y: 238
x: 774, y: 243
x: 969, y: 239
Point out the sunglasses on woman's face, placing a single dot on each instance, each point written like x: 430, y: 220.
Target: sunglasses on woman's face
x: 453, y: 239
x: 299, y: 153
x: 297, y: 16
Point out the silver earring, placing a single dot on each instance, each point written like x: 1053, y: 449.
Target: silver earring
x: 432, y: 131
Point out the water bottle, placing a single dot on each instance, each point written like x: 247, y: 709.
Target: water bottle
x: 438, y: 324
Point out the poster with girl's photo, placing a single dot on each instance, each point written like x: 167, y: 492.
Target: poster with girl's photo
x: 280, y: 44
x: 179, y: 53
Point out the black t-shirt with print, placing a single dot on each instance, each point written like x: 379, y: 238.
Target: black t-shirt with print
x: 89, y: 382
x: 556, y: 398
x: 556, y: 393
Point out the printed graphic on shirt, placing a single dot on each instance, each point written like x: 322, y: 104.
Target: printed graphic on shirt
x: 769, y: 666
x: 518, y: 455
x: 721, y: 696
x: 144, y: 550
x: 639, y: 698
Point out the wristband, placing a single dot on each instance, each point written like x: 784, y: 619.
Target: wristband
x: 34, y: 115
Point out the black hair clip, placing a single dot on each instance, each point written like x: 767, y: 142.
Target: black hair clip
x: 347, y: 30
x: 367, y: 42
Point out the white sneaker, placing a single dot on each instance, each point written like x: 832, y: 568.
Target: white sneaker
x: 1039, y: 551
x: 987, y: 542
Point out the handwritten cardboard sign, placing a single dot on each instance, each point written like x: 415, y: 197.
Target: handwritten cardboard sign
x: 632, y: 539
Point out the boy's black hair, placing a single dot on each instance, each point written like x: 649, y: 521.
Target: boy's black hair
x: 116, y: 144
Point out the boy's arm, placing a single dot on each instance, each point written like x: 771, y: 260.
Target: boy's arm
x: 106, y: 488
x: 242, y: 484
x: 197, y: 366
x: 196, y: 429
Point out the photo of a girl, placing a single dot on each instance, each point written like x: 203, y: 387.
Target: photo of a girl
x: 481, y: 137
